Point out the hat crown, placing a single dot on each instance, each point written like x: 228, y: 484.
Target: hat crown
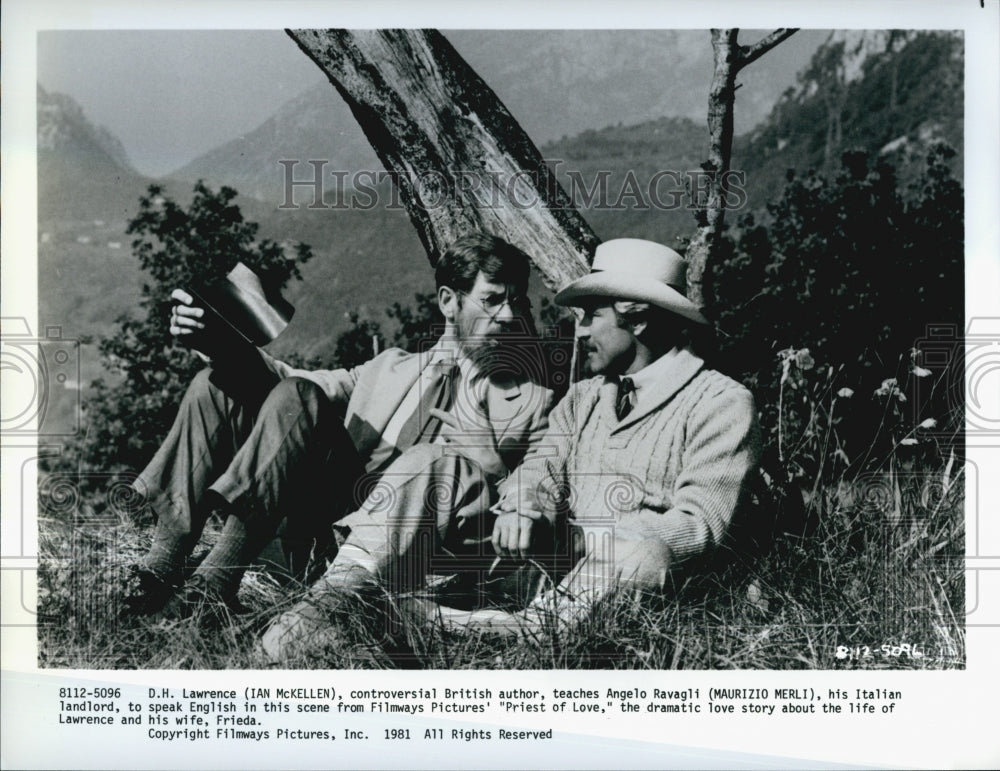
x: 638, y: 270
x: 642, y: 259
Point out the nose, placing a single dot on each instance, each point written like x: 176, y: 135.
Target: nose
x: 505, y: 315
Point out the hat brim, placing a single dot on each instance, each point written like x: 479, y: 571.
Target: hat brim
x: 623, y: 287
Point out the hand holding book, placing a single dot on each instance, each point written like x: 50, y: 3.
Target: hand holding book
x: 230, y: 318
x: 226, y: 322
x: 188, y: 323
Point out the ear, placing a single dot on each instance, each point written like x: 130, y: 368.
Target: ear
x: 448, y: 302
x: 638, y: 328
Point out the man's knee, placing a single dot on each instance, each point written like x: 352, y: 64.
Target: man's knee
x: 643, y: 564
x: 294, y: 397
x: 295, y: 391
x: 201, y: 388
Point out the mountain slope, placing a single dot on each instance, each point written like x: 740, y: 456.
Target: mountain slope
x: 368, y: 259
x: 83, y: 170
x: 892, y: 93
x: 316, y: 125
x: 617, y: 77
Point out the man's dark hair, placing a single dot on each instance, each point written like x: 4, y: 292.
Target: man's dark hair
x: 498, y: 261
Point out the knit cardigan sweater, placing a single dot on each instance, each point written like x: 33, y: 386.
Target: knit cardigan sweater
x: 675, y: 469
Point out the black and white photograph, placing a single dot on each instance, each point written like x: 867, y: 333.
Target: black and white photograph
x: 410, y: 348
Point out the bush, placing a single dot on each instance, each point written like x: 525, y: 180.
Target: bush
x: 847, y: 269
x: 178, y: 247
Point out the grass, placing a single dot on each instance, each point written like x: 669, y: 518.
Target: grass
x: 872, y: 562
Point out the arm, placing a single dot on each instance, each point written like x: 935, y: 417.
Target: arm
x: 721, y: 452
x: 243, y: 368
x: 530, y: 494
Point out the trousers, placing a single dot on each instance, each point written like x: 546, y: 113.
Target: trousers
x: 287, y: 462
x: 289, y: 467
x: 429, y: 514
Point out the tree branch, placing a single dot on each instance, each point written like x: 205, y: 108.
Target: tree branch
x: 457, y: 156
x: 750, y: 54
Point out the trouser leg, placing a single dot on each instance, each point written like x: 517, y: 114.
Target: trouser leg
x: 606, y: 562
x: 429, y: 512
x: 299, y: 464
x: 610, y: 560
x: 208, y: 430
x: 289, y: 456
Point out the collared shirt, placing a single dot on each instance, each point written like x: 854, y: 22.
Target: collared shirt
x: 469, y: 393
x: 652, y: 373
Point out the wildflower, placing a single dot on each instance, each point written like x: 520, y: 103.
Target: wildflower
x: 929, y: 423
x: 845, y: 393
x: 889, y: 389
x: 908, y: 441
x: 888, y: 385
x: 793, y: 364
x: 921, y: 372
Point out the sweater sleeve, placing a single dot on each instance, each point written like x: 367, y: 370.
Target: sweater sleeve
x: 720, y: 453
x: 533, y: 487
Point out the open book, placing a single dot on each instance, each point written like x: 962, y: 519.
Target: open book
x: 253, y: 312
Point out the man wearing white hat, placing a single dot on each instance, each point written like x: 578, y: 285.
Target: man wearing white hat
x: 653, y: 454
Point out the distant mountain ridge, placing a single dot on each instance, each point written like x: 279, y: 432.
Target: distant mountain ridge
x: 63, y: 126
x: 316, y: 125
x: 892, y: 94
x: 639, y: 75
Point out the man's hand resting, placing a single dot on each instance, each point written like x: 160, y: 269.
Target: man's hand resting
x: 512, y: 534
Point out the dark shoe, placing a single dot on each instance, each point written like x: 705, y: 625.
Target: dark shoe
x: 147, y: 592
x: 204, y: 604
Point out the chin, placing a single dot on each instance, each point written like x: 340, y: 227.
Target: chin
x: 593, y: 365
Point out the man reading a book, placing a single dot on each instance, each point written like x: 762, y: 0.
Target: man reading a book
x: 414, y: 441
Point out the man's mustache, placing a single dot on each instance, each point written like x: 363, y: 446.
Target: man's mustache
x: 500, y: 335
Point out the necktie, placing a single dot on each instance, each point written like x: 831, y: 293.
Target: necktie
x: 623, y: 403
x: 437, y: 390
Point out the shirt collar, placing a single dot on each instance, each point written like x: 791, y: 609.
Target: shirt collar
x: 652, y: 373
x: 443, y: 353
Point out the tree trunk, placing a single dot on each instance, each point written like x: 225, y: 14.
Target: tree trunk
x: 711, y: 211
x: 729, y: 58
x: 459, y: 159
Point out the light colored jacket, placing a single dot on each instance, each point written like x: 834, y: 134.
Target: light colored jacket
x: 516, y: 408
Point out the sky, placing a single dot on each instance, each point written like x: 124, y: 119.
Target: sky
x: 185, y: 92
x: 228, y: 82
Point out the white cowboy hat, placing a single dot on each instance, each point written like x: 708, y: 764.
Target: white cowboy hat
x: 635, y: 269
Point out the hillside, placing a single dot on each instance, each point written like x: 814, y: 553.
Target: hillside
x: 893, y: 93
x: 600, y: 77
x: 83, y: 170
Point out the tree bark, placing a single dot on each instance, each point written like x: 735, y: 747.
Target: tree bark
x: 460, y: 160
x: 729, y: 58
